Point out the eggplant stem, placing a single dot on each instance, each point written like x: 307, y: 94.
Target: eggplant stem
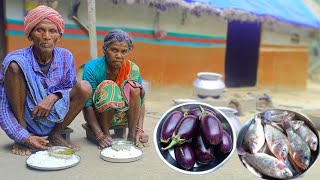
x: 165, y: 141
x: 184, y: 111
x: 202, y: 111
x: 175, y: 141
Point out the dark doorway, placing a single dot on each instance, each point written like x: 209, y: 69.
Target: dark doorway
x: 242, y: 53
x: 3, y: 40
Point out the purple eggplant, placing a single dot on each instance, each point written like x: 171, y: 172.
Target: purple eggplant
x: 169, y: 126
x: 225, y: 145
x: 203, y: 152
x: 185, y: 130
x: 198, y: 111
x: 184, y: 156
x: 211, y: 129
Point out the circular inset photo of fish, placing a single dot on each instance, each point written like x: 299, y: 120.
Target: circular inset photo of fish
x: 194, y: 138
x: 278, y: 144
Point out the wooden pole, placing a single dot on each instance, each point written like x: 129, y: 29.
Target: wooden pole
x: 92, y: 28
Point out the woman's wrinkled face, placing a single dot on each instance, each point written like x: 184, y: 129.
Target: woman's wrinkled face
x: 45, y: 36
x: 116, y: 53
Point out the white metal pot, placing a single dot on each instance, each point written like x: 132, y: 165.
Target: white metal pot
x: 231, y: 114
x: 146, y: 86
x: 208, y: 84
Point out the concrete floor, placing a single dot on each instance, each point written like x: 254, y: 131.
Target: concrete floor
x: 151, y: 166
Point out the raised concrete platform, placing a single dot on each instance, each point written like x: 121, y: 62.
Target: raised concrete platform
x: 239, y: 101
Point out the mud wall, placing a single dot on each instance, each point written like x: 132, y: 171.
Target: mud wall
x: 197, y: 45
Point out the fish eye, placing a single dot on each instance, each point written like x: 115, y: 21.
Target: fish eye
x: 305, y: 157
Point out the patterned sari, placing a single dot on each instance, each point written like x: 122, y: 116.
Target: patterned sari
x: 116, y: 95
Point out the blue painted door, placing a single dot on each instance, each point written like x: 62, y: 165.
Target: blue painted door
x: 242, y: 54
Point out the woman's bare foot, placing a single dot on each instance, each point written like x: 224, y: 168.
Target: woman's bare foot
x: 58, y: 140
x: 19, y: 149
x: 131, y: 136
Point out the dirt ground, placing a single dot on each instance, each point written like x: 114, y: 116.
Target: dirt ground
x: 151, y: 166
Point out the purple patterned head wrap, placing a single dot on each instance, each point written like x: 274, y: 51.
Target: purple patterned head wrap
x: 117, y: 35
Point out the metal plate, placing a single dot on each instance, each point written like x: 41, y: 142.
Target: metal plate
x: 121, y: 160
x: 54, y: 168
x: 168, y: 156
x: 264, y: 149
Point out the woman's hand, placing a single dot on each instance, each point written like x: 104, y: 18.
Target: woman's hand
x: 104, y: 141
x: 142, y: 140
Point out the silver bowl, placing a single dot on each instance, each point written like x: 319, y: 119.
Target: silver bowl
x: 264, y: 149
x: 61, y: 152
x: 121, y: 145
x: 168, y: 157
x: 314, y: 115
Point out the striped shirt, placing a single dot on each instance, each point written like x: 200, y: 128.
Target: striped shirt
x: 60, y: 78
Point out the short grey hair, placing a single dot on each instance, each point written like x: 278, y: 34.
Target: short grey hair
x: 117, y: 35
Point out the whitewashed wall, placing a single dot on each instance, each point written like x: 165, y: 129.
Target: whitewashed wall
x: 132, y: 16
x: 281, y: 34
x: 142, y: 17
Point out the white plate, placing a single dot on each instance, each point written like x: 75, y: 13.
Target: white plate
x: 53, y: 168
x: 121, y: 160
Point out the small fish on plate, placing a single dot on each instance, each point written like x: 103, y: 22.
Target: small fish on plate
x: 268, y: 165
x: 277, y: 142
x: 298, y: 148
x: 287, y: 152
x: 306, y: 134
x: 254, y: 138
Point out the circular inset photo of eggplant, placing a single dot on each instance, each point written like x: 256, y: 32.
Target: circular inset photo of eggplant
x: 194, y: 138
x: 278, y: 144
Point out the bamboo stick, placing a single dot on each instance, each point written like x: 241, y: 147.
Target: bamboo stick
x: 92, y: 28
